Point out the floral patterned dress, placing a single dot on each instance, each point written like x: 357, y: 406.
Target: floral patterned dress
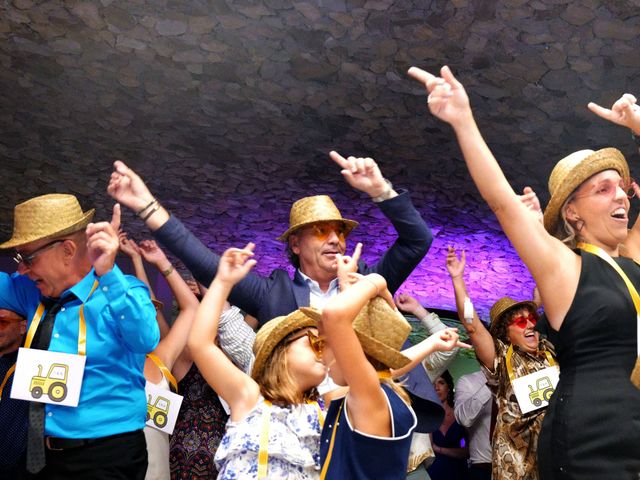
x: 293, y: 446
x: 198, y: 431
x: 515, y: 437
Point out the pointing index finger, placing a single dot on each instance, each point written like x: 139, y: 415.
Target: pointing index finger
x: 115, y: 219
x: 339, y: 159
x: 420, y: 75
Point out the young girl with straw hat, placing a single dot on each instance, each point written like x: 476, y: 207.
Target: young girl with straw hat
x: 275, y: 422
x: 367, y: 432
x: 591, y: 428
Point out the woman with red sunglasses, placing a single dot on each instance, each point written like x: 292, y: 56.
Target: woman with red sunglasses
x: 508, y: 350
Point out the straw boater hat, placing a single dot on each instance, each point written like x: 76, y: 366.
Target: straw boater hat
x: 47, y: 216
x: 273, y: 332
x: 381, y: 330
x: 505, y: 305
x: 568, y: 175
x: 319, y: 208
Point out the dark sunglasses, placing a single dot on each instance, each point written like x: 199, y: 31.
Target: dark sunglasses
x: 521, y: 321
x: 28, y: 259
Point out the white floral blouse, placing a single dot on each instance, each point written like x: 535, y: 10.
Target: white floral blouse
x: 293, y: 448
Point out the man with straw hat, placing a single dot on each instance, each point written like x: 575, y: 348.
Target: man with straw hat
x: 317, y: 233
x: 77, y: 301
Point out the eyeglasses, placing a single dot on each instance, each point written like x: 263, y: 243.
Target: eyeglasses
x: 322, y: 231
x: 28, y: 259
x: 521, y: 321
x: 315, y: 342
x: 607, y: 188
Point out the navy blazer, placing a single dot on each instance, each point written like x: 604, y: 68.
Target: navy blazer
x: 277, y: 294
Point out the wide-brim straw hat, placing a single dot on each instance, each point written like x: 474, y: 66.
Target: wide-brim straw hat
x: 310, y: 210
x: 47, y: 216
x: 568, y: 175
x: 381, y: 330
x: 273, y: 332
x: 505, y: 305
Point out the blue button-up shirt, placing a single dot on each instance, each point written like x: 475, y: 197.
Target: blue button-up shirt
x: 121, y: 329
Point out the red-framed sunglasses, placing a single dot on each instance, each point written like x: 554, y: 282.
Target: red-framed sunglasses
x: 521, y: 320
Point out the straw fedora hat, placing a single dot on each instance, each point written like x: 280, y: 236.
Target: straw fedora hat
x: 568, y: 175
x: 47, y: 216
x: 504, y: 305
x: 273, y: 332
x: 381, y: 330
x: 319, y: 208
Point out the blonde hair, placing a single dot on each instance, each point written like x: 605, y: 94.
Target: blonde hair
x: 275, y: 380
x: 567, y: 232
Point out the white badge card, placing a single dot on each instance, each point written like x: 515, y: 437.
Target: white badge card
x: 162, y: 408
x: 48, y: 377
x: 533, y: 391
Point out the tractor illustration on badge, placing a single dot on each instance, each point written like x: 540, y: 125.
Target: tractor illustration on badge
x: 54, y: 384
x: 543, y: 391
x: 158, y: 411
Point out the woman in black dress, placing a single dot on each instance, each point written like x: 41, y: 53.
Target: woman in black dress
x: 592, y: 427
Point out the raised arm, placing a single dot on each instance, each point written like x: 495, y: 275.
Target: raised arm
x: 237, y: 388
x: 414, y: 236
x: 625, y: 112
x: 132, y: 250
x: 172, y: 345
x: 480, y: 337
x: 368, y: 409
x: 129, y: 188
x: 554, y: 266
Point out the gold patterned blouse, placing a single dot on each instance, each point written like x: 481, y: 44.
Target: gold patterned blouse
x: 515, y: 437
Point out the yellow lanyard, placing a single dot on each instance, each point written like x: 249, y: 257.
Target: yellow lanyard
x: 165, y: 371
x: 82, y: 324
x: 263, y: 453
x: 512, y: 376
x: 6, y: 378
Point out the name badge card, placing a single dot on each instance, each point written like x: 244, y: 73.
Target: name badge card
x: 162, y: 408
x: 533, y: 391
x: 48, y: 377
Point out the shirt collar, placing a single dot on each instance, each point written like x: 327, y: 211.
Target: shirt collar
x: 333, y: 285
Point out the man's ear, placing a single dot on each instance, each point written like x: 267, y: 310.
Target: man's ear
x: 294, y: 243
x: 23, y: 327
x: 69, y: 249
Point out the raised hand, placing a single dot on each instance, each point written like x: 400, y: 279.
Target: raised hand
x: 126, y: 187
x: 531, y: 201
x: 234, y: 265
x: 447, y: 99
x: 455, y: 265
x: 103, y: 242
x: 409, y: 304
x: 347, y: 265
x: 623, y: 112
x: 362, y: 174
x: 446, y: 340
x: 128, y: 246
x: 152, y: 253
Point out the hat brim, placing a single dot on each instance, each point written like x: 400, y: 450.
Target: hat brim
x: 598, y: 161
x: 349, y: 224
x: 18, y: 241
x: 293, y: 322
x: 386, y: 355
x: 515, y: 306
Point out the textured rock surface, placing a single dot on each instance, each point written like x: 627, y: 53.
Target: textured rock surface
x: 229, y: 108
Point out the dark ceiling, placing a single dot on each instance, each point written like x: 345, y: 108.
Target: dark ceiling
x: 229, y: 108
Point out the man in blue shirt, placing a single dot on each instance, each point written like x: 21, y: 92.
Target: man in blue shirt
x: 64, y: 259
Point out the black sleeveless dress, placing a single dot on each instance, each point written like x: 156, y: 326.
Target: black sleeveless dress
x: 592, y: 427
